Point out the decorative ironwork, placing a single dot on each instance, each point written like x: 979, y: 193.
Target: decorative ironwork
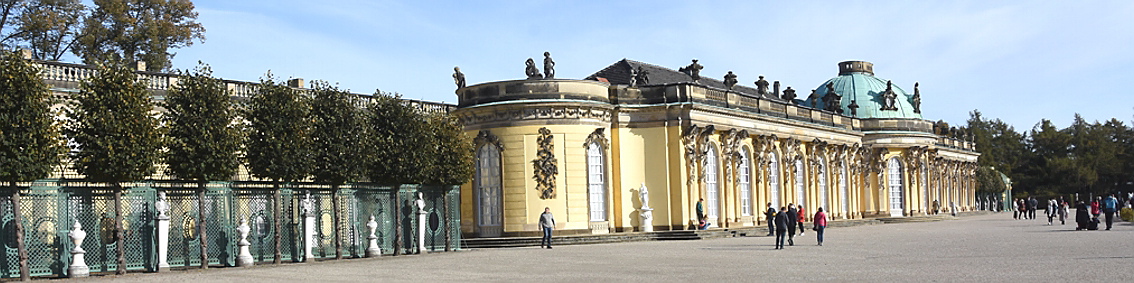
x: 545, y: 167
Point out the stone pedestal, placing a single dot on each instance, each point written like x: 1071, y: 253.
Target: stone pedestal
x: 373, y: 250
x: 162, y: 207
x: 308, y: 228
x: 647, y: 219
x: 244, y: 258
x: 420, y: 203
x: 78, y: 266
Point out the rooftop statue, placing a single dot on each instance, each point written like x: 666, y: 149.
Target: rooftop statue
x: 730, y: 80
x: 916, y: 98
x: 531, y: 70
x: 813, y: 98
x: 762, y: 86
x: 853, y: 107
x: 548, y: 66
x: 693, y: 70
x: 458, y: 77
x: 633, y: 77
x: 776, y: 88
x: 832, y: 99
x: 639, y: 77
x: 789, y: 95
x: 889, y: 98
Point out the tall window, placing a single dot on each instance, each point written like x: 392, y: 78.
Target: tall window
x: 799, y: 179
x: 744, y: 176
x: 488, y: 185
x: 895, y: 172
x: 596, y: 181
x: 843, y: 189
x: 774, y: 180
x: 824, y: 197
x: 712, y: 192
x: 924, y: 186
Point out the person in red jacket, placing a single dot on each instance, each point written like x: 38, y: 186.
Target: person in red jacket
x: 802, y: 217
x: 1095, y: 211
x: 820, y: 221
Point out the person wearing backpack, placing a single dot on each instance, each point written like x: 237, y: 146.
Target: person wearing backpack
x: 1109, y: 207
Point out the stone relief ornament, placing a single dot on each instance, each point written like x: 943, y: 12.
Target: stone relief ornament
x: 596, y: 137
x: 545, y: 167
x: 486, y: 137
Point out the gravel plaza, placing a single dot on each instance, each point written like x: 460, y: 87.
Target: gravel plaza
x: 982, y: 248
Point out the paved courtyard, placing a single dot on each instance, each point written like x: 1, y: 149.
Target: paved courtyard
x: 978, y: 248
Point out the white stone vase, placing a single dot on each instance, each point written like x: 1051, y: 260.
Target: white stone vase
x: 245, y: 256
x: 373, y: 250
x: 78, y: 266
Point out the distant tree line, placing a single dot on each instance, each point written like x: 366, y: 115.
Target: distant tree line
x: 1084, y: 158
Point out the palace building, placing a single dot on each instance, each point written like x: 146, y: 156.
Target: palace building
x: 857, y: 146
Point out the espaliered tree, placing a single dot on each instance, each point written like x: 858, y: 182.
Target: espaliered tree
x: 116, y: 134
x: 30, y: 142
x: 397, y: 137
x: 279, y: 140
x: 203, y: 141
x: 338, y: 135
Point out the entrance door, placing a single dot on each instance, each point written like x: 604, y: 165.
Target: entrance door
x: 896, y: 189
x: 489, y: 192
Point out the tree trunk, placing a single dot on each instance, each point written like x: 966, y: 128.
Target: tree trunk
x: 336, y: 222
x: 118, y: 235
x: 202, y: 187
x: 397, y: 221
x: 25, y: 272
x: 276, y: 219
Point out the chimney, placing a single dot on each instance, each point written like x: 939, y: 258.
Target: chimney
x: 140, y: 66
x: 296, y: 82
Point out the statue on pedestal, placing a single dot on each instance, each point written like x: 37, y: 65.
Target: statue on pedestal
x: 639, y: 77
x: 531, y: 70
x: 853, y: 107
x: 458, y: 77
x: 761, y: 86
x: 548, y: 66
x: 78, y: 266
x: 646, y: 213
x: 693, y: 70
x: 373, y: 250
x: 889, y: 97
x: 730, y: 80
x: 245, y: 256
x: 789, y: 95
x: 916, y: 98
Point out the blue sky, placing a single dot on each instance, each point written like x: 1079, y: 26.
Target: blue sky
x: 1019, y: 61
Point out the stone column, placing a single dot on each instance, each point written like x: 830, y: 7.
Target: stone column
x: 162, y: 207
x: 245, y: 256
x: 308, y: 228
x: 373, y: 250
x: 78, y: 266
x: 420, y: 203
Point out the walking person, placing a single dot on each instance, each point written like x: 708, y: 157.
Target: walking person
x: 1109, y: 206
x: 547, y: 222
x: 781, y: 221
x: 1020, y: 206
x: 1062, y: 211
x: 1095, y: 207
x: 1032, y: 205
x: 1049, y: 211
x: 771, y: 215
x: 792, y: 215
x: 820, y: 221
x: 801, y: 215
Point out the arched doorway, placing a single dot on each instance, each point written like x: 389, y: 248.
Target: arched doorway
x: 489, y: 212
x: 896, y: 180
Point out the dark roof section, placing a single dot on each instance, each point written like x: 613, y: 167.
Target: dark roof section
x: 619, y: 73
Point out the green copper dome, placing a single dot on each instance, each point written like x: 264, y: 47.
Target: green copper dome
x: 856, y: 83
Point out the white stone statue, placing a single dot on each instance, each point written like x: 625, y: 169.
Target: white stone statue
x: 245, y: 257
x: 78, y: 266
x: 644, y: 194
x: 420, y: 203
x: 374, y: 250
x: 308, y: 204
x: 162, y: 206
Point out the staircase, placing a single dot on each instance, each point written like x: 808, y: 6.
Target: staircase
x: 932, y: 218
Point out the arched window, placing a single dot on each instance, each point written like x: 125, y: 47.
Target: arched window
x: 744, y: 176
x: 488, y: 186
x: 800, y: 191
x: 824, y: 196
x: 774, y: 180
x: 896, y: 180
x: 712, y: 191
x: 596, y: 181
x: 924, y: 186
x: 843, y: 190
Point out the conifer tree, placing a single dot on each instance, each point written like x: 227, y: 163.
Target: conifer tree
x: 115, y: 129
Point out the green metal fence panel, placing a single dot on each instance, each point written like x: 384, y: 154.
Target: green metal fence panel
x: 373, y: 200
x: 256, y: 206
x: 408, y: 217
x: 290, y: 236
x: 93, y: 207
x: 184, y: 246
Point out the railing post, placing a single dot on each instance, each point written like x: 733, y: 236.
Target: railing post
x: 162, y: 207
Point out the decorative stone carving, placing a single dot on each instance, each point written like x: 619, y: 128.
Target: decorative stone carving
x: 730, y: 80
x: 531, y: 70
x: 693, y: 70
x: 78, y: 266
x: 458, y: 77
x: 548, y: 66
x: 245, y: 256
x: 789, y: 95
x: 486, y: 137
x: 791, y: 151
x: 765, y: 145
x: 761, y: 86
x: 646, y: 212
x: 597, y: 137
x: 730, y: 145
x: 696, y: 141
x: 545, y: 165
x: 889, y: 98
x: 420, y: 205
x: 832, y: 99
x: 537, y: 113
x: 373, y: 250
x: 916, y: 100
x: 813, y: 99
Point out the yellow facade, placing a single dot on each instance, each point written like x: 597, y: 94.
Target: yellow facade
x: 680, y: 141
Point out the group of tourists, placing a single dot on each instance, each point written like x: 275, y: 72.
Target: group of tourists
x: 1086, y: 214
x: 783, y: 223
